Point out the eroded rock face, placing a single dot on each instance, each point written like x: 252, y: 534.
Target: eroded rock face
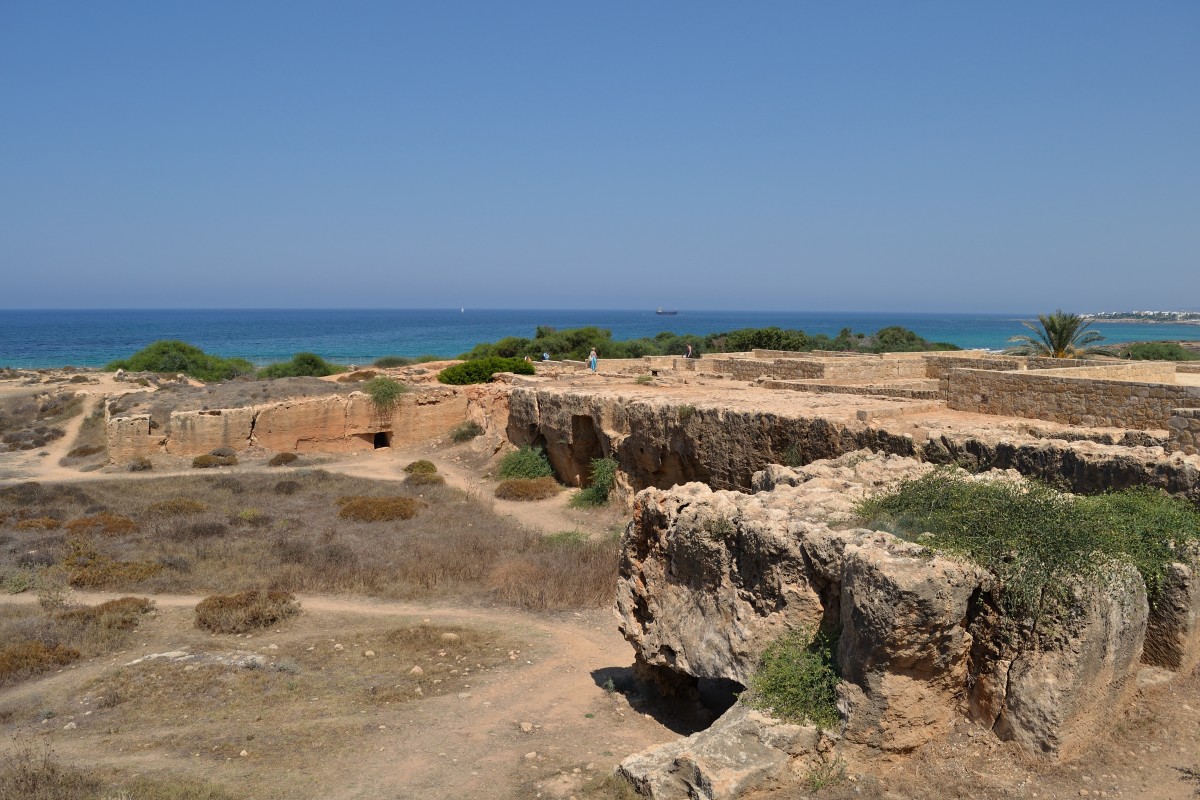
x: 659, y: 443
x: 709, y: 578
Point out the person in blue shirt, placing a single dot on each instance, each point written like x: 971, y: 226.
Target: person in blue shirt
x: 592, y: 360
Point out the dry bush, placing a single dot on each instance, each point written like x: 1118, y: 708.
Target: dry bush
x: 38, y: 524
x: 245, y: 611
x: 418, y: 479
x: 89, y: 569
x: 228, y: 484
x: 423, y: 467
x: 83, y: 451
x: 208, y: 461
x: 140, y: 464
x: 176, y: 507
x: 360, y: 375
x: 223, y: 452
x: 200, y: 530
x: 103, y: 523
x: 287, y: 487
x: 32, y: 774
x: 361, y: 508
x: 527, y: 489
x: 28, y: 658
x: 280, y: 459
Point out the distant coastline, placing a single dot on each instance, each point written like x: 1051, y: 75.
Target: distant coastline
x: 1146, y: 317
x: 1141, y: 321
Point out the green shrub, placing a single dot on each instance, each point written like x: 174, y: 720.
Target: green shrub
x: 466, y: 431
x: 245, y: 611
x: 302, y: 365
x: 1160, y: 351
x: 527, y: 489
x: 384, y: 393
x: 527, y: 462
x: 481, y: 370
x: 172, y: 355
x: 642, y: 380
x: 686, y: 411
x: 797, y: 679
x: 1038, y: 541
x: 603, y: 478
x: 280, y: 459
x: 423, y: 465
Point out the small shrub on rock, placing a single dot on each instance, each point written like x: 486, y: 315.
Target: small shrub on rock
x: 466, y: 431
x: 245, y: 611
x: 281, y: 459
x: 392, y: 361
x: 423, y: 467
x: 140, y: 464
x: 797, y: 681
x: 378, y: 509
x: 527, y: 489
x: 302, y: 365
x: 384, y: 393
x: 223, y: 452
x: 603, y: 478
x: 481, y: 370
x: 527, y: 462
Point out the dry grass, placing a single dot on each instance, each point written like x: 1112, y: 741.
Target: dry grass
x: 34, y: 773
x: 194, y: 537
x: 527, y: 489
x: 378, y: 509
x: 38, y: 524
x: 40, y: 641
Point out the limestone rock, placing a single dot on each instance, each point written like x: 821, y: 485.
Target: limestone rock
x: 743, y: 751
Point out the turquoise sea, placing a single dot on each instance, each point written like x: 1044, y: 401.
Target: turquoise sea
x: 88, y: 338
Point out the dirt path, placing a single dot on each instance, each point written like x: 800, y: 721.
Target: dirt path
x: 469, y: 745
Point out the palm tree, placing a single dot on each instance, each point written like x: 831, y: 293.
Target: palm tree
x: 1061, y: 335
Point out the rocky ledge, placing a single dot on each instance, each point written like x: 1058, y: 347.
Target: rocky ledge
x: 709, y: 578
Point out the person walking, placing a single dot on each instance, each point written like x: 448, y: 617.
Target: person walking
x: 592, y: 360
x: 688, y: 354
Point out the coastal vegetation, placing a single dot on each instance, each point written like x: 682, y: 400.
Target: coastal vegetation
x: 797, y: 679
x: 1039, y: 542
x: 384, y: 393
x: 575, y: 343
x: 481, y: 370
x: 601, y: 481
x: 301, y: 365
x: 174, y: 356
x: 1159, y: 351
x: 1057, y: 335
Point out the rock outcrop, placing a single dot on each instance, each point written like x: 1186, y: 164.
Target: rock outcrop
x: 660, y: 442
x: 709, y: 578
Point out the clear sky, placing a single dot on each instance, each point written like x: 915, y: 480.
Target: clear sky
x: 909, y: 156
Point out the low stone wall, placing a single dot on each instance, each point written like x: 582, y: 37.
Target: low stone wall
x: 1141, y: 371
x: 914, y: 391
x: 748, y: 369
x: 1066, y: 396
x: 937, y: 366
x: 1184, y: 431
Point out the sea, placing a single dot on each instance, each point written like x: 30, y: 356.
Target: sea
x: 92, y: 338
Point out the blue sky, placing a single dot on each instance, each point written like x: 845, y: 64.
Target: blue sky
x: 915, y: 156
